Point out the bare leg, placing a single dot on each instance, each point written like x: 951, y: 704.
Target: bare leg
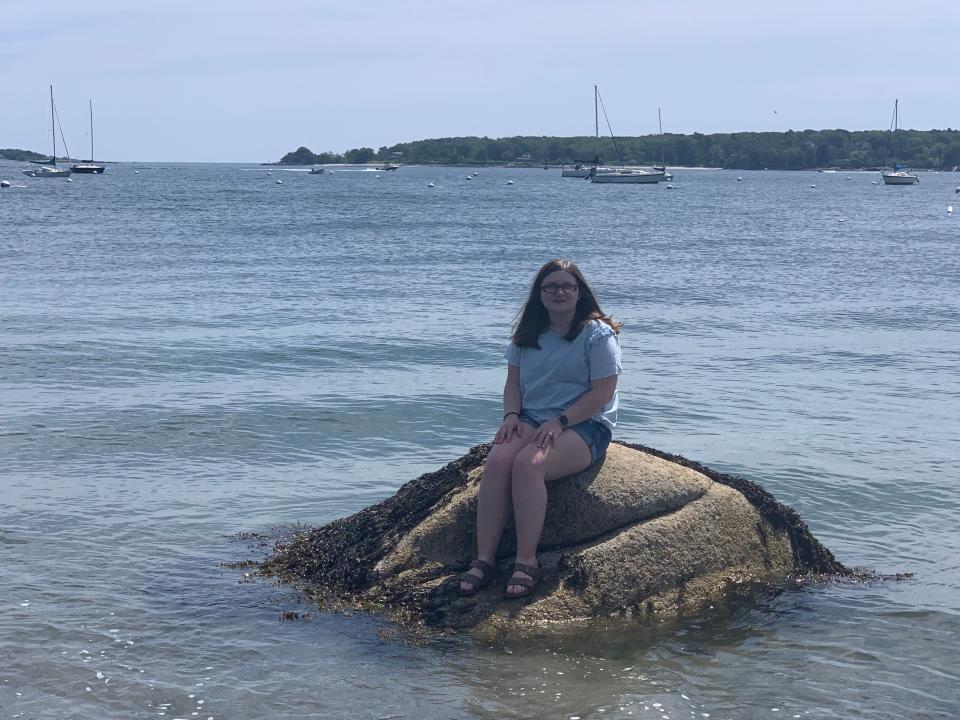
x: 493, y: 498
x: 532, y: 468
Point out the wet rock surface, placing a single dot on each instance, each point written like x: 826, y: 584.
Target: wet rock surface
x: 640, y: 532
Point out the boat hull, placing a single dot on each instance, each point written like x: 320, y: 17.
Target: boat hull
x: 88, y: 169
x: 900, y: 178
x: 47, y: 172
x: 632, y: 178
x: 575, y: 172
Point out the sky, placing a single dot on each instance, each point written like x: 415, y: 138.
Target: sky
x: 243, y: 81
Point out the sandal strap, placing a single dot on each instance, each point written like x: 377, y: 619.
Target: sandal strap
x: 486, y: 574
x: 484, y: 567
x: 532, y: 570
x: 523, y: 582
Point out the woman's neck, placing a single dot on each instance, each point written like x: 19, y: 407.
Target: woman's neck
x: 560, y: 322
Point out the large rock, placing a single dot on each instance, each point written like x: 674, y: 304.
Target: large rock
x: 639, y: 532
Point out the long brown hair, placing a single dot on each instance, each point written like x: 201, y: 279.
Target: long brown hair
x: 533, y: 318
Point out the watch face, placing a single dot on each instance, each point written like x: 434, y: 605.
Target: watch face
x: 564, y: 421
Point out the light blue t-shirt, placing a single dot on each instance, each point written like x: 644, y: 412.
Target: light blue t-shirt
x: 555, y: 376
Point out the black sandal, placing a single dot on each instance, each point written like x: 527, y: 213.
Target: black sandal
x: 528, y: 584
x: 479, y: 583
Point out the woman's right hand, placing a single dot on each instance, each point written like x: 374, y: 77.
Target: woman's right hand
x: 511, y: 426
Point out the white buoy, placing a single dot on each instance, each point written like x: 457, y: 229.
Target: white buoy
x: 475, y: 173
x: 739, y: 179
x: 469, y: 177
x: 430, y: 185
x: 849, y: 178
x: 509, y: 182
x: 69, y: 179
x: 4, y: 183
x: 949, y: 209
x: 813, y: 186
x: 269, y: 172
x: 874, y: 183
x: 378, y: 175
x: 841, y: 220
x: 957, y: 190
x: 136, y: 172
x: 669, y: 186
x: 279, y: 182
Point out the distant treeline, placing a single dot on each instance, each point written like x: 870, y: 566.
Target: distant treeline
x: 790, y: 150
x: 21, y: 155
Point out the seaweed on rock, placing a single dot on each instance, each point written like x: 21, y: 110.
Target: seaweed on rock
x: 640, y: 531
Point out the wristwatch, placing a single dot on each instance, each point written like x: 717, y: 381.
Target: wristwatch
x: 564, y: 421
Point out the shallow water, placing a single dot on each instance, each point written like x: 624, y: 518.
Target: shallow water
x: 193, y: 351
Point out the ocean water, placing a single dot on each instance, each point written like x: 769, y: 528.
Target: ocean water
x: 189, y: 352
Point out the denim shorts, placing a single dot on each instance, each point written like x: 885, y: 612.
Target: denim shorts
x: 595, y: 434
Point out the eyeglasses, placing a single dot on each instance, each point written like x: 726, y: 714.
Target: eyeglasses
x: 553, y: 288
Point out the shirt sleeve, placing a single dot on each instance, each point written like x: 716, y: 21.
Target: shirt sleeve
x: 513, y: 355
x: 603, y: 353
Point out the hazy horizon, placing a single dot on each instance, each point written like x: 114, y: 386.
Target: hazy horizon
x: 249, y: 83
x: 75, y: 156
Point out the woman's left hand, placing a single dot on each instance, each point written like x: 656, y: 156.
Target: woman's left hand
x: 547, y: 434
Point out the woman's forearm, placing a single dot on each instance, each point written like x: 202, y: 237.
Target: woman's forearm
x: 511, y: 398
x: 589, y: 404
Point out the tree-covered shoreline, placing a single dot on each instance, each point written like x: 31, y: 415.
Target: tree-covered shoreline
x: 790, y: 150
x: 23, y: 155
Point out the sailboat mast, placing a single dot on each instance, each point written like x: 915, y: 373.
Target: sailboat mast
x: 53, y: 127
x: 596, y: 115
x: 596, y: 127
x: 893, y: 132
x: 91, y: 130
x: 660, y: 123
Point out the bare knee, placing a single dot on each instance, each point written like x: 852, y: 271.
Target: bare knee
x: 528, y: 466
x: 498, y: 467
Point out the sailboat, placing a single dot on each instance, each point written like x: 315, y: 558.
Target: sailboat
x: 662, y: 167
x: 50, y: 170
x: 90, y: 166
x: 899, y: 174
x: 583, y: 169
x: 579, y: 170
x: 623, y: 175
x: 627, y: 175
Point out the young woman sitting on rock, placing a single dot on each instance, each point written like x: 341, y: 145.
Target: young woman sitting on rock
x: 560, y: 406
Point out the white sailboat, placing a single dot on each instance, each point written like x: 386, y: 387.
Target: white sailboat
x: 662, y: 167
x: 899, y: 175
x: 622, y: 174
x: 627, y: 175
x: 50, y: 169
x: 89, y: 167
x: 579, y: 170
x: 582, y: 169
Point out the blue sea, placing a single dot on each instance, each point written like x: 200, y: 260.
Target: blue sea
x: 191, y: 352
